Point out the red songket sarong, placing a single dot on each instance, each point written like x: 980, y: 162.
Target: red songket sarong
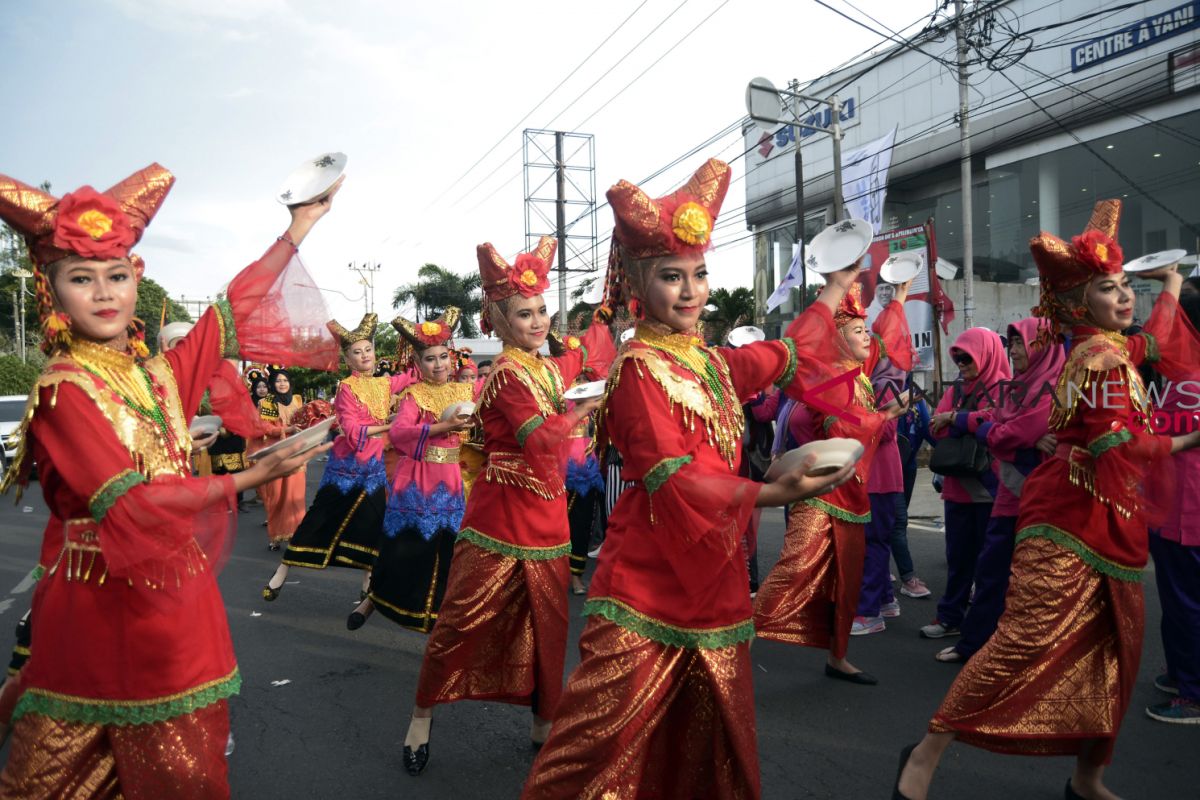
x: 810, y: 596
x: 662, y: 703
x: 124, y: 689
x: 501, y: 633
x: 1059, y: 671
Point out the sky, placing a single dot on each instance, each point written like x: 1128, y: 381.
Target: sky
x: 231, y: 95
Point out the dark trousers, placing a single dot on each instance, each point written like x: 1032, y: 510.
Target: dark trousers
x: 876, y: 587
x: 966, y: 524
x: 992, y: 570
x: 903, y: 558
x: 1177, y: 573
x: 581, y: 511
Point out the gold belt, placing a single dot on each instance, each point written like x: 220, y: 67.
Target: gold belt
x: 441, y: 455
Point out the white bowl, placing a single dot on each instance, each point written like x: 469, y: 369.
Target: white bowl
x: 839, y: 245
x: 585, y: 391
x: 203, y: 426
x: 946, y: 270
x: 745, y: 335
x: 311, y: 437
x: 832, y: 455
x: 311, y: 180
x: 1164, y: 258
x: 458, y: 410
x: 901, y: 268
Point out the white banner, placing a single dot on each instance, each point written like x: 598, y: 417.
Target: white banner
x: 864, y: 180
x: 790, y: 281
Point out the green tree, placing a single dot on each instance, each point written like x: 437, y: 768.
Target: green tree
x: 436, y: 288
x: 15, y: 376
x: 733, y: 309
x: 150, y: 308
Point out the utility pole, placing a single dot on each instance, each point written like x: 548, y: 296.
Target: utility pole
x: 560, y: 217
x: 22, y: 275
x: 794, y: 87
x: 835, y: 129
x: 365, y: 270
x: 17, y: 327
x: 961, y: 30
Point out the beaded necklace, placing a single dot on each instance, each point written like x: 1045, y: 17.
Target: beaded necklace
x: 687, y: 352
x: 130, y: 382
x: 539, y: 371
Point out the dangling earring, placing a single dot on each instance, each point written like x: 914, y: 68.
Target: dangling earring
x: 635, y: 308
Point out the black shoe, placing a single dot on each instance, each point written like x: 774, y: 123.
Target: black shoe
x: 416, y: 761
x: 861, y: 678
x: 355, y: 621
x: 905, y: 754
x: 1071, y: 794
x: 269, y: 593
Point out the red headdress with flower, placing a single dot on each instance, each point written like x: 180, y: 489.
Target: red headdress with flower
x: 528, y: 275
x: 94, y: 225
x: 680, y: 223
x: 1065, y: 266
x: 851, y: 307
x: 430, y: 333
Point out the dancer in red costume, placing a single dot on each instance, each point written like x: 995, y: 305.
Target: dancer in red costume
x: 810, y: 597
x: 502, y: 630
x: 125, y: 691
x: 662, y: 702
x: 1056, y: 676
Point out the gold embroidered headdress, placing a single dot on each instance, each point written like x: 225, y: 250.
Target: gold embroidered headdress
x: 365, y: 332
x: 430, y: 333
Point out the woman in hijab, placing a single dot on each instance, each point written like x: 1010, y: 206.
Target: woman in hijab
x: 982, y: 365
x: 1013, y: 435
x: 283, y: 497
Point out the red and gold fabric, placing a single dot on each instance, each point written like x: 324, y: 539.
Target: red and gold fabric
x: 1060, y: 668
x: 645, y: 719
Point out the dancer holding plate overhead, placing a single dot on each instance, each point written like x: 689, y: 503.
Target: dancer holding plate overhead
x: 342, y: 527
x: 125, y: 691
x: 425, y: 499
x: 662, y: 703
x: 810, y: 596
x: 1056, y: 676
x: 501, y: 632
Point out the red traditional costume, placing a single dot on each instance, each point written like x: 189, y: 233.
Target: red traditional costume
x: 425, y: 498
x: 283, y: 498
x: 342, y: 526
x: 662, y: 702
x: 502, y: 630
x: 124, y: 693
x: 811, y: 595
x: 1058, y: 672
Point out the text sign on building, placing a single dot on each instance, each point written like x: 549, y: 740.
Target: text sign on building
x: 821, y: 118
x: 1136, y: 36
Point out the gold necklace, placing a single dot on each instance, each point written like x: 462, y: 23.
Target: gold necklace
x: 539, y: 370
x: 374, y: 393
x: 119, y: 370
x: 437, y: 397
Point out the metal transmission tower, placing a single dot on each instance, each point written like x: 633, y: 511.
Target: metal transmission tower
x: 560, y: 201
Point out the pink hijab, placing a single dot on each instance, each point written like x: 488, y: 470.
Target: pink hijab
x: 984, y: 347
x: 1045, y: 365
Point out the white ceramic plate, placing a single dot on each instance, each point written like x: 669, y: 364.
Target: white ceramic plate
x: 901, y: 267
x: 203, y: 426
x: 832, y: 455
x: 745, y: 335
x: 312, y: 179
x: 594, y: 296
x: 585, y: 391
x: 839, y: 245
x: 311, y: 437
x: 626, y: 335
x: 1151, y: 261
x: 458, y: 410
x: 946, y: 270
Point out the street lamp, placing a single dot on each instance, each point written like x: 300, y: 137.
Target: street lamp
x: 23, y: 275
x: 767, y: 107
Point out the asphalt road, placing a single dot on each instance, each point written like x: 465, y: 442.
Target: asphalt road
x: 323, y: 711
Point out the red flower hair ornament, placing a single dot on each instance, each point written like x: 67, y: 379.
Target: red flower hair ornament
x: 530, y: 275
x: 92, y: 225
x: 1098, y: 251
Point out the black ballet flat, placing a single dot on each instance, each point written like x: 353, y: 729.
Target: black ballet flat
x: 905, y: 754
x: 270, y: 594
x: 355, y: 621
x: 860, y: 678
x: 1070, y: 794
x: 416, y: 761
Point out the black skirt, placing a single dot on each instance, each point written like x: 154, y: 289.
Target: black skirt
x: 341, y: 530
x: 409, y: 579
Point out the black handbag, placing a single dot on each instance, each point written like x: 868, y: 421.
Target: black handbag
x: 961, y: 457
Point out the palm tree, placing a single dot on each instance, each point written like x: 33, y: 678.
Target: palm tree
x: 436, y: 288
x: 733, y: 309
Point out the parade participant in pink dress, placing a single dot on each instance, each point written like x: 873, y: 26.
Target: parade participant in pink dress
x: 425, y: 499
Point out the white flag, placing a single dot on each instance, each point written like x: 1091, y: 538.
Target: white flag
x: 790, y: 280
x: 864, y: 180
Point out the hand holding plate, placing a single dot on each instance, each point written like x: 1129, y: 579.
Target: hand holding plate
x: 305, y: 216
